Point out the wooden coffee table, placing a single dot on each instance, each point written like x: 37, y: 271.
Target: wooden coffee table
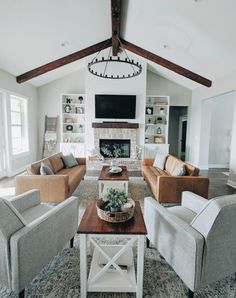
x: 107, y: 180
x: 112, y: 268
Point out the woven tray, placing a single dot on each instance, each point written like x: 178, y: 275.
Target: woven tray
x: 115, y: 217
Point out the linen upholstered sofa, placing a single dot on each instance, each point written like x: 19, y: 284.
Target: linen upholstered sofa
x: 168, y: 188
x: 56, y: 187
x: 31, y: 234
x: 197, y: 239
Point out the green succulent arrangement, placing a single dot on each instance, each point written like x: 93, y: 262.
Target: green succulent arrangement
x: 114, y: 199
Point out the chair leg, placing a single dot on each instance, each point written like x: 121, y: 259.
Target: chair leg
x: 22, y: 294
x: 147, y: 242
x: 72, y: 242
x: 190, y: 294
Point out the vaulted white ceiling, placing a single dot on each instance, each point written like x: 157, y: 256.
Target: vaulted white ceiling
x: 198, y: 35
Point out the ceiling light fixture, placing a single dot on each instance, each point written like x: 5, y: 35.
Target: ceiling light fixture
x: 101, y: 67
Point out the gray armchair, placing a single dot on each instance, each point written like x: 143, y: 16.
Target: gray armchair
x: 197, y: 239
x: 31, y: 234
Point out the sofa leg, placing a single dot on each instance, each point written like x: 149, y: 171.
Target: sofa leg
x: 22, y: 294
x: 72, y: 242
x: 190, y: 294
x: 147, y: 242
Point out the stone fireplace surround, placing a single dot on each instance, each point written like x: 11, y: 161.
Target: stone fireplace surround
x: 116, y: 130
x: 116, y: 133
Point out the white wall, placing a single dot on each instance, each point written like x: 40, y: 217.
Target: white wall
x: 221, y: 130
x: 8, y: 85
x: 157, y: 85
x: 197, y: 149
x: 135, y: 86
x: 49, y: 99
x: 219, y: 86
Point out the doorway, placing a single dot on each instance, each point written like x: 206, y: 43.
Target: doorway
x: 182, y: 137
x: 178, y: 122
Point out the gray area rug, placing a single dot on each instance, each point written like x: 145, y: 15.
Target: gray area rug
x: 61, y: 277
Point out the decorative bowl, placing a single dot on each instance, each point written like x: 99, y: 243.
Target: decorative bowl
x: 115, y: 170
x: 115, y: 217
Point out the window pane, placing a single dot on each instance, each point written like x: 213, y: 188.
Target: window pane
x: 16, y: 132
x: 16, y: 145
x: 15, y: 118
x: 15, y: 104
x: 19, y: 125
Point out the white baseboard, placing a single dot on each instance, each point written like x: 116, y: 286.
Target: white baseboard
x: 231, y: 183
x: 203, y: 167
x: 214, y: 166
x: 15, y: 172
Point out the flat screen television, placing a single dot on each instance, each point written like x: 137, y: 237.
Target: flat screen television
x: 115, y: 106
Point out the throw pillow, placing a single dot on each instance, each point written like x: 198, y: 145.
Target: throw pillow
x: 45, y: 170
x: 69, y: 160
x: 160, y: 161
x: 179, y: 171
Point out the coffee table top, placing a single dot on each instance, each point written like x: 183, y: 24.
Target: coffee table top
x: 105, y: 175
x: 92, y: 224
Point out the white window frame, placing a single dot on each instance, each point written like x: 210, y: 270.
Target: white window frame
x: 23, y: 125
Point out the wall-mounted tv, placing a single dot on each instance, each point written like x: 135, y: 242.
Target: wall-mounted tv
x: 115, y: 106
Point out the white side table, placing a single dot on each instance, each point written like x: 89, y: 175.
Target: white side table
x: 112, y: 268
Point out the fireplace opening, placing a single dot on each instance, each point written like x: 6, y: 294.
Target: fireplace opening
x: 117, y: 148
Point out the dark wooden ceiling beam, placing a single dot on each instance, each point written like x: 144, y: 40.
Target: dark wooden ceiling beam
x: 115, y: 24
x: 63, y: 61
x: 166, y: 63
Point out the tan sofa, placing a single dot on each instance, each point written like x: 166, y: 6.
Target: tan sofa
x: 53, y: 188
x: 167, y: 188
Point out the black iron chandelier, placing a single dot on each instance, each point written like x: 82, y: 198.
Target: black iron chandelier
x: 100, y: 66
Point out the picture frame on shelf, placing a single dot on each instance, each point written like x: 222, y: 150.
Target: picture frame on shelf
x: 149, y: 111
x: 158, y: 139
x: 68, y: 120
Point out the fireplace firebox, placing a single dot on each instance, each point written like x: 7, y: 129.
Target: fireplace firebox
x: 115, y: 148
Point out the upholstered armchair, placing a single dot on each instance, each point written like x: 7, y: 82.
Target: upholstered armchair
x: 31, y: 234
x: 197, y: 239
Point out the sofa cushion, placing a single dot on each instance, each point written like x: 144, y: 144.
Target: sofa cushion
x: 69, y: 161
x: 35, y: 212
x: 182, y: 212
x: 160, y: 161
x: 75, y: 175
x: 56, y: 162
x: 173, y: 162
x: 45, y: 170
x: 34, y: 168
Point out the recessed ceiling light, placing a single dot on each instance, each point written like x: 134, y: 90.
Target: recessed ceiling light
x: 64, y: 44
